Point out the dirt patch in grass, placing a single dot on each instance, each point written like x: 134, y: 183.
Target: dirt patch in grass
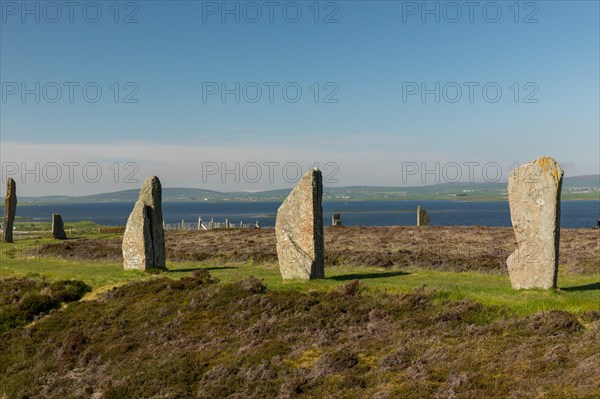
x: 440, y: 248
x: 196, y: 337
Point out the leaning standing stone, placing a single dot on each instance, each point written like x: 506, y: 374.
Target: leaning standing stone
x: 10, y: 209
x: 299, y: 230
x: 58, y: 227
x: 144, y: 242
x: 422, y: 217
x: 534, y: 199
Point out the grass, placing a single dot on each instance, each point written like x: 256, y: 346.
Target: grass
x: 488, y: 289
x: 72, y: 228
x: 194, y: 337
x: 407, y: 332
x: 577, y: 293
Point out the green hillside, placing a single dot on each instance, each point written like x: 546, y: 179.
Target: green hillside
x: 577, y: 187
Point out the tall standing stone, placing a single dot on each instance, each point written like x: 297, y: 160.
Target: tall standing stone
x: 534, y: 199
x: 422, y: 217
x: 144, y: 241
x: 299, y: 230
x: 58, y: 227
x: 10, y: 209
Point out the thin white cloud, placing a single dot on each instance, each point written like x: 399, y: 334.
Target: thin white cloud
x: 251, y: 165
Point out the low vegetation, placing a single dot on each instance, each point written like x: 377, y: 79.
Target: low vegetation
x: 73, y: 229
x: 480, y: 249
x: 195, y: 337
x: 222, y: 323
x: 23, y: 300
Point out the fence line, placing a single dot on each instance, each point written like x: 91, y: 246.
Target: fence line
x: 209, y: 225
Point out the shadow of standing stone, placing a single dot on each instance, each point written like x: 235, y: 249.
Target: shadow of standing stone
x: 10, y: 209
x: 58, y: 227
x: 534, y: 199
x: 144, y: 241
x: 299, y: 230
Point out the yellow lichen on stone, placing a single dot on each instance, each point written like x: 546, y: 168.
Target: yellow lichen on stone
x: 545, y: 163
x: 548, y: 164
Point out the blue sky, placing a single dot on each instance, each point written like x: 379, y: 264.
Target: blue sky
x: 370, y: 58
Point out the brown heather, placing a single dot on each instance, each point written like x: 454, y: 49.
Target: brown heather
x: 197, y: 338
x: 482, y: 249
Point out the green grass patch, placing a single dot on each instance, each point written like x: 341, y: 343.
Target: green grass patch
x: 72, y: 228
x: 409, y: 332
x: 577, y: 293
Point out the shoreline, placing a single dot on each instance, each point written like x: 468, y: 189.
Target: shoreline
x: 477, y: 200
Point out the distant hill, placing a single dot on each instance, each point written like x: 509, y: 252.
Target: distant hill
x: 577, y: 187
x: 169, y: 194
x: 582, y: 181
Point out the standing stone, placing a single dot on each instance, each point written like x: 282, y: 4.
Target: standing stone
x: 422, y: 217
x: 144, y: 241
x: 10, y: 209
x: 336, y: 219
x: 138, y: 252
x: 534, y: 199
x: 299, y: 230
x: 58, y: 227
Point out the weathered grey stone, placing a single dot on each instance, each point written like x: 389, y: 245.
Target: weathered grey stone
x: 151, y: 194
x: 10, y: 209
x: 534, y: 199
x: 336, y: 219
x: 138, y: 252
x: 144, y: 242
x: 299, y: 230
x: 58, y: 227
x: 422, y: 217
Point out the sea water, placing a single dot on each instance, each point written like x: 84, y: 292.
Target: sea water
x: 579, y: 214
